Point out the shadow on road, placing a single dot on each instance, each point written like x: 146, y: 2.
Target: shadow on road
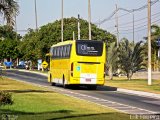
x: 99, y: 88
x: 106, y: 88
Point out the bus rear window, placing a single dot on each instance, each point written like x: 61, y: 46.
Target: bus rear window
x: 89, y: 48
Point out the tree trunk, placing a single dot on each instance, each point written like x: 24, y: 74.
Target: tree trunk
x: 110, y: 73
x: 154, y: 62
x: 129, y: 75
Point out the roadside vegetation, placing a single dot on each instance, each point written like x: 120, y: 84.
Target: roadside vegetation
x: 36, y: 103
x: 5, y: 98
x: 134, y: 84
x: 127, y: 58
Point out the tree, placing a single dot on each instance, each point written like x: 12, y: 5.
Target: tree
x: 131, y: 57
x: 29, y: 46
x: 35, y: 44
x: 112, y: 55
x: 9, y: 41
x: 9, y: 8
x: 6, y: 32
x: 155, y: 34
x: 154, y: 37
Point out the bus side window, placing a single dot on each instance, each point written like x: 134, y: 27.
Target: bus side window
x: 52, y: 52
x: 57, y: 52
x: 68, y: 50
x: 61, y: 51
x: 64, y: 51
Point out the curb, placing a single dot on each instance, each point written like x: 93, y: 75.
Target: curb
x: 32, y: 72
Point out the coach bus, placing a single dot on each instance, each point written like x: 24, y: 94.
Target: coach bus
x: 78, y: 62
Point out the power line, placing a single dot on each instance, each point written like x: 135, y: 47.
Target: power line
x: 124, y: 25
x: 129, y: 11
x: 145, y: 28
x: 134, y: 31
x: 140, y: 26
x: 144, y: 18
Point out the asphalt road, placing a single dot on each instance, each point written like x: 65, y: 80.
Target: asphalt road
x: 104, y: 95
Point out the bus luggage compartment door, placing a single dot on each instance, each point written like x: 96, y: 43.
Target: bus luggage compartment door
x: 88, y: 72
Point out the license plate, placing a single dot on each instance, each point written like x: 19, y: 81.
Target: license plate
x: 88, y: 80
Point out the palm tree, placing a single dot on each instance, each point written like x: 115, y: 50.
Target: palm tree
x: 155, y: 35
x: 9, y: 9
x: 155, y: 31
x: 131, y: 57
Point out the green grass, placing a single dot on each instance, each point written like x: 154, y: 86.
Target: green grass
x: 134, y: 84
x: 36, y: 103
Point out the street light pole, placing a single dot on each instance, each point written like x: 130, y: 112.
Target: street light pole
x: 36, y: 14
x: 79, y: 36
x: 133, y: 27
x: 16, y: 35
x: 117, y: 26
x: 89, y: 18
x: 62, y: 22
x: 149, y: 44
x: 16, y: 26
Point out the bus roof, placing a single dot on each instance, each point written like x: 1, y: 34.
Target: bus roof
x: 64, y: 43
x: 69, y: 42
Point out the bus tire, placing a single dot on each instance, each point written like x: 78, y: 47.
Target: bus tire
x: 64, y: 85
x: 52, y: 83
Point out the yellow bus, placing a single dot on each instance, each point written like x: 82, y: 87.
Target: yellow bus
x: 78, y: 62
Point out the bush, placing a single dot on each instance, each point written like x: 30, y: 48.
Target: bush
x: 5, y: 98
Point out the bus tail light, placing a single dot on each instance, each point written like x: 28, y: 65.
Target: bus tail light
x: 72, y: 69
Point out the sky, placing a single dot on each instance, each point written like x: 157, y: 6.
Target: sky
x: 50, y: 10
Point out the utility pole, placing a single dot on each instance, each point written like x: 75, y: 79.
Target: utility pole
x: 36, y: 14
x: 16, y: 26
x: 73, y: 36
x: 79, y: 36
x: 89, y: 18
x: 117, y: 26
x: 133, y: 27
x: 16, y: 35
x: 118, y: 71
x: 62, y: 22
x: 149, y: 44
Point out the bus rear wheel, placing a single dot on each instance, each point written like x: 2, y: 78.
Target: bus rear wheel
x: 52, y: 83
x: 64, y: 85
